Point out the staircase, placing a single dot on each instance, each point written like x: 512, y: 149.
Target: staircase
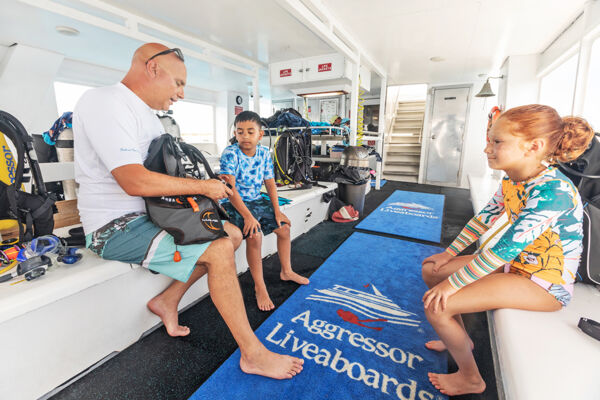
x: 403, y: 143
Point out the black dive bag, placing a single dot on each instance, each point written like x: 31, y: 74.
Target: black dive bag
x: 585, y: 174
x: 188, y: 218
x: 35, y: 210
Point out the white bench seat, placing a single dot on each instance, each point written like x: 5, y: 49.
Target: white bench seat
x: 542, y: 355
x: 76, y: 315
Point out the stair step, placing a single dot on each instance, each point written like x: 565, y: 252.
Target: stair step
x: 406, y: 129
x: 401, y: 178
x: 413, y: 158
x: 403, y: 163
x: 401, y: 173
x: 403, y: 153
x: 405, y: 139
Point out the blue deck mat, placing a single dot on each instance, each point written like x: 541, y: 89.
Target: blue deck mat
x: 359, y: 325
x: 411, y: 214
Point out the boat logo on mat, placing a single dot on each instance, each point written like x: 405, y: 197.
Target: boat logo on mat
x: 412, y: 209
x: 370, y: 310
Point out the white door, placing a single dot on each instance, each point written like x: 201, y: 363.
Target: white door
x: 447, y: 129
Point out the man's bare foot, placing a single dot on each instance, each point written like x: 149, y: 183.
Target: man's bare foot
x: 438, y: 345
x: 263, y: 300
x: 294, y: 277
x: 271, y: 365
x: 456, y: 384
x: 168, y: 314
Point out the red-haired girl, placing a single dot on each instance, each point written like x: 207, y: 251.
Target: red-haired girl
x: 540, y: 251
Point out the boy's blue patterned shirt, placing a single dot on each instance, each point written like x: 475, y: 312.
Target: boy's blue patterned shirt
x: 249, y: 172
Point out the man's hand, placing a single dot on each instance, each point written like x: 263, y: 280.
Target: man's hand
x: 436, y: 298
x: 281, y: 218
x: 215, y: 189
x: 251, y: 226
x: 438, y: 260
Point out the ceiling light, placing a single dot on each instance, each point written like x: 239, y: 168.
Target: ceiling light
x: 323, y: 94
x: 437, y: 59
x: 67, y: 30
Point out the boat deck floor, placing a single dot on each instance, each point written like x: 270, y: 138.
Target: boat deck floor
x: 160, y: 367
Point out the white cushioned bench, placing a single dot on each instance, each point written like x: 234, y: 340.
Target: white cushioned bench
x: 540, y: 355
x: 58, y: 325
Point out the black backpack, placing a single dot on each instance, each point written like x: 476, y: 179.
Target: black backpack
x: 188, y: 218
x: 35, y: 209
x: 585, y: 174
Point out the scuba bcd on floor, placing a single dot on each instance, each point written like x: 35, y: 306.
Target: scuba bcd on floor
x: 188, y: 218
x: 34, y: 209
x: 585, y: 174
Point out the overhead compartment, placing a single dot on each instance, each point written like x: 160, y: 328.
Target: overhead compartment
x: 329, y: 70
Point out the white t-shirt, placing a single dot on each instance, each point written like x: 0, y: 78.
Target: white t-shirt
x: 112, y: 127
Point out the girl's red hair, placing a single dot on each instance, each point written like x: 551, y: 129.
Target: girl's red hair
x: 567, y: 137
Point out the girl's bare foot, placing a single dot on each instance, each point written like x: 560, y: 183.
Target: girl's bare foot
x: 438, y: 345
x: 271, y: 365
x: 263, y: 300
x: 456, y: 384
x: 294, y: 277
x: 168, y: 314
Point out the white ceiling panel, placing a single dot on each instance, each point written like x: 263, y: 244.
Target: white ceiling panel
x: 473, y: 36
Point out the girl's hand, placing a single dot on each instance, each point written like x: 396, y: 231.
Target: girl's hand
x: 251, y: 226
x: 436, y: 298
x: 281, y: 218
x: 438, y: 260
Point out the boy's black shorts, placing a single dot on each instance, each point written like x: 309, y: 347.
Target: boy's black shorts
x: 261, y: 209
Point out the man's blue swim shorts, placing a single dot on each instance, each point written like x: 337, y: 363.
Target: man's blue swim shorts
x: 133, y: 238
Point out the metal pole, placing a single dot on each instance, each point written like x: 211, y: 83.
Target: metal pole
x: 255, y: 92
x: 382, y: 101
x: 354, y: 102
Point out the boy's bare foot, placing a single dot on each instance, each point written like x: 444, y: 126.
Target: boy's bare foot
x: 456, y: 384
x: 294, y: 277
x: 438, y: 345
x: 271, y: 365
x: 263, y: 300
x: 168, y: 314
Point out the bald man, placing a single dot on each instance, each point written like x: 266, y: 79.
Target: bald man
x: 113, y: 127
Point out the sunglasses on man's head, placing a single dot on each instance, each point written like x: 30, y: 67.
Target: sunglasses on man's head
x: 175, y: 50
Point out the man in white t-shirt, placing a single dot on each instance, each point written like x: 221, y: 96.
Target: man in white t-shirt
x: 113, y: 127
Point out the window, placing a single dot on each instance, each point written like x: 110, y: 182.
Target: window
x: 196, y: 121
x: 591, y: 105
x: 67, y: 95
x: 558, y: 87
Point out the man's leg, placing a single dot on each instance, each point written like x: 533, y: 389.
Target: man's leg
x: 254, y: 257
x: 227, y: 296
x: 165, y: 305
x: 284, y: 249
x: 234, y: 234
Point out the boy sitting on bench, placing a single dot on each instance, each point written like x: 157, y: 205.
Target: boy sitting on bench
x: 245, y: 165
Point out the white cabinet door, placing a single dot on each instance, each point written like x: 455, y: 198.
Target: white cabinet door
x: 331, y: 66
x: 287, y: 72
